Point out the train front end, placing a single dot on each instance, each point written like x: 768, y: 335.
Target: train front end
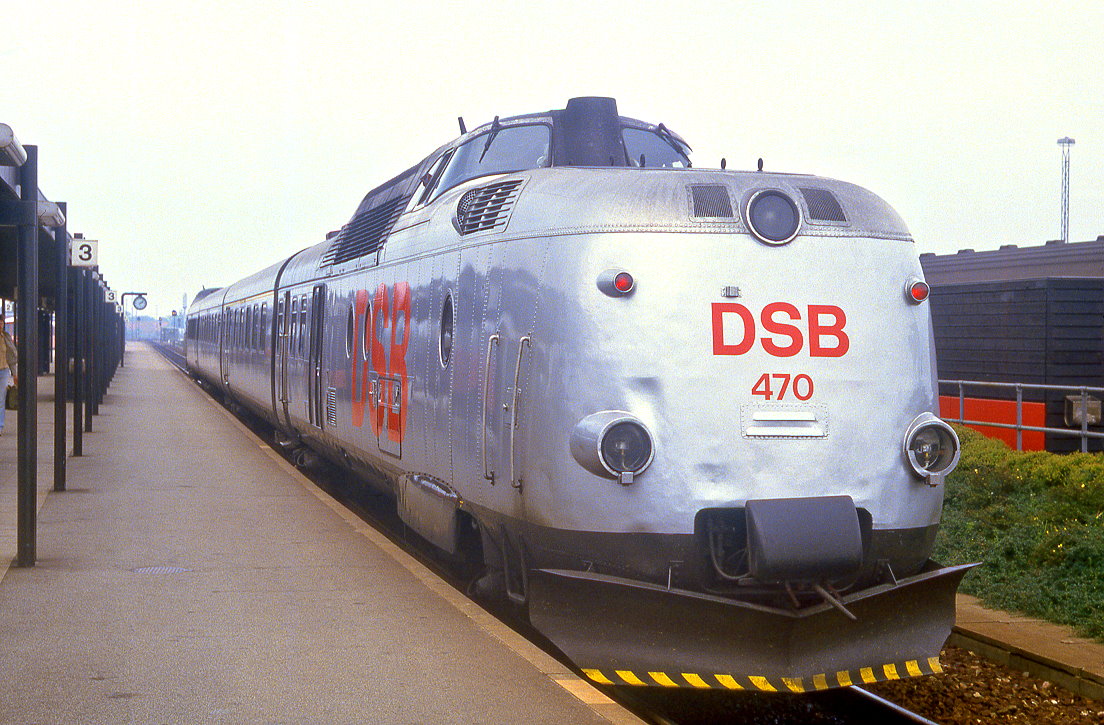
x: 741, y: 368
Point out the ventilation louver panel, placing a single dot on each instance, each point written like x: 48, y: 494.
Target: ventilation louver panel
x: 487, y: 207
x: 331, y: 407
x: 366, y: 232
x: 711, y: 200
x: 823, y: 205
x: 335, y: 245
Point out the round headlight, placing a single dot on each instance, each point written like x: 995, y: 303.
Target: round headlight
x: 772, y: 216
x: 626, y: 447
x: 613, y: 444
x: 931, y: 446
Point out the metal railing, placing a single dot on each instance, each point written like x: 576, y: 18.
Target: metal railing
x: 1084, y: 433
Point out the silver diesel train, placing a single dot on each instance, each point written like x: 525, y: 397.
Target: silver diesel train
x: 684, y: 417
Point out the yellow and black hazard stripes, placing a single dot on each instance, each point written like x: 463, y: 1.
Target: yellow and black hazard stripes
x: 823, y: 681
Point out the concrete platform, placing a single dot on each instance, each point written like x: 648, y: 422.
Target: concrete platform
x: 1049, y: 651
x: 190, y: 575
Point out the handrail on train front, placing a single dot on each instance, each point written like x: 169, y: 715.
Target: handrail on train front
x: 524, y: 342
x: 491, y: 341
x: 1084, y: 433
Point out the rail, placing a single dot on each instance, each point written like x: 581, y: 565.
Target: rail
x: 1082, y: 408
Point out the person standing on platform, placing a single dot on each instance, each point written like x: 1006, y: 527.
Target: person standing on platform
x: 8, y: 358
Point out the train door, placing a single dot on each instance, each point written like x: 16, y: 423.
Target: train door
x: 224, y: 347
x: 315, y: 398
x: 512, y: 290
x: 511, y: 305
x: 285, y: 313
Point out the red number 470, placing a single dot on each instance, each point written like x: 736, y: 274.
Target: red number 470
x: 800, y: 386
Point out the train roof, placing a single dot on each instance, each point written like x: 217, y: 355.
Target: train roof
x: 587, y: 132
x: 586, y: 140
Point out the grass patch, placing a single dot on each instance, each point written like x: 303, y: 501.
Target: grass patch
x: 1037, y: 521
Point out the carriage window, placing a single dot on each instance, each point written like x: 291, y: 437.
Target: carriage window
x: 293, y: 319
x: 262, y: 337
x: 657, y: 151
x: 512, y: 148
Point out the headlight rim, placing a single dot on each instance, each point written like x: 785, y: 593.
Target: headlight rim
x: 588, y: 436
x: 756, y: 231
x: 921, y: 422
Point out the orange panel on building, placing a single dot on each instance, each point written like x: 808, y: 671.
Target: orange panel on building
x: 999, y: 411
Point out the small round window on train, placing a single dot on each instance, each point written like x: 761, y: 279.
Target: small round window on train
x: 446, y: 331
x: 350, y: 328
x: 366, y: 338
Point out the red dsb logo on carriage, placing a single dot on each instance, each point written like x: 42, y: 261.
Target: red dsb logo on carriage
x: 381, y: 335
x: 786, y: 330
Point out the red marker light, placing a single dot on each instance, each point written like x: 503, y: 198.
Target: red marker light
x: 623, y: 282
x: 918, y: 291
x: 616, y: 283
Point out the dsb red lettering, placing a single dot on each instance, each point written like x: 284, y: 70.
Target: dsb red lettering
x: 785, y: 335
x: 380, y: 382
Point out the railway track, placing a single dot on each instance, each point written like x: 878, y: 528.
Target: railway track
x: 174, y: 356
x: 845, y: 706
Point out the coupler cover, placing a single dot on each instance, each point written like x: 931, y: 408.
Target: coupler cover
x: 803, y: 539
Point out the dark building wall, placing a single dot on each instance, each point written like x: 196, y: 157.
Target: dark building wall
x: 1043, y: 331
x: 1053, y: 259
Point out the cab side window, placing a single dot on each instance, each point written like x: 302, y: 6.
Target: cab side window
x: 428, y: 183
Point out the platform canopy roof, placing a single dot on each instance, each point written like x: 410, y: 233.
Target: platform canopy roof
x: 9, y: 240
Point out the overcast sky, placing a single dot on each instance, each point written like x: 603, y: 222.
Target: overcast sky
x: 200, y: 141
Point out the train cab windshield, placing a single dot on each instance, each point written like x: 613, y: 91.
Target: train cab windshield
x: 587, y: 139
x: 653, y: 150
x: 499, y: 151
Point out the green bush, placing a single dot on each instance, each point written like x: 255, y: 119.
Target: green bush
x: 1036, y: 520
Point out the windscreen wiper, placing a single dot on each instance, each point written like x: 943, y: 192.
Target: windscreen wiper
x: 674, y: 142
x: 490, y: 138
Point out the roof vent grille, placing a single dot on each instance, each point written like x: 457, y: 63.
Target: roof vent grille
x: 366, y: 232
x: 823, y: 205
x: 711, y: 200
x: 487, y: 207
x: 335, y: 245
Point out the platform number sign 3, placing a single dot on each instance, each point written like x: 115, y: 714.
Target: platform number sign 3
x: 85, y: 253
